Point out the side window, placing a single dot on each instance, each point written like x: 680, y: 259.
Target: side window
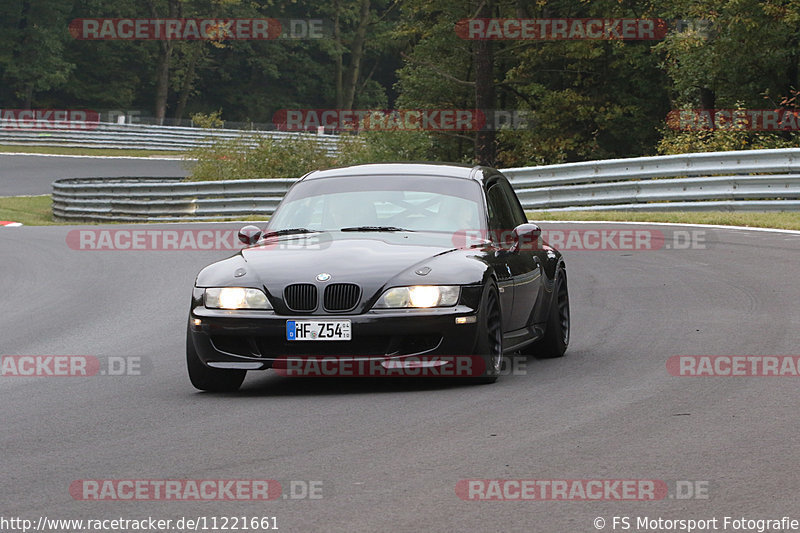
x: 517, y: 214
x: 501, y: 219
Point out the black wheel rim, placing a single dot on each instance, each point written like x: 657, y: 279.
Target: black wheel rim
x: 563, y: 309
x: 495, y: 332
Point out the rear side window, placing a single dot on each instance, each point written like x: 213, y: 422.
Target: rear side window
x: 500, y: 216
x: 517, y: 213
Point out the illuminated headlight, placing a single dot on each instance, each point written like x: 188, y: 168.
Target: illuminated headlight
x: 236, y: 298
x: 419, y: 296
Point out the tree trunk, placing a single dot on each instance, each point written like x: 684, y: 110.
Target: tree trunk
x: 791, y: 68
x: 28, y: 99
x: 337, y: 38
x: 188, y: 81
x: 483, y: 61
x: 356, y: 56
x: 27, y: 89
x: 708, y: 98
x: 162, y: 81
x: 164, y: 56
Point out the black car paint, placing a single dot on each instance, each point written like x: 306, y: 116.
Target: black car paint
x: 378, y: 261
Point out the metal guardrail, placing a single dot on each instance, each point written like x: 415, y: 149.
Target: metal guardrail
x: 739, y: 162
x: 755, y: 180
x: 746, y: 180
x: 662, y: 193
x: 141, y: 136
x: 167, y: 199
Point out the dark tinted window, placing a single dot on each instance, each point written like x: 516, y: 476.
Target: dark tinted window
x: 517, y: 214
x: 500, y: 216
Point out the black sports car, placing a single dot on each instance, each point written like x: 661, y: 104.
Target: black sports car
x: 399, y: 266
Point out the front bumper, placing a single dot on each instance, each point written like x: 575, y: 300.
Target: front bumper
x: 256, y: 340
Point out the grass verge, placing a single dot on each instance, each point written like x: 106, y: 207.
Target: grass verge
x: 64, y: 150
x: 29, y: 210
x: 780, y: 220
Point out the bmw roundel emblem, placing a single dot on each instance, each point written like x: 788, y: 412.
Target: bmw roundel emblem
x: 323, y: 276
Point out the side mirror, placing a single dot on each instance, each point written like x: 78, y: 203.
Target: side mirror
x: 249, y: 234
x: 526, y: 237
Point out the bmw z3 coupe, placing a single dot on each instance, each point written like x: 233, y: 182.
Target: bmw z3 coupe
x: 400, y: 266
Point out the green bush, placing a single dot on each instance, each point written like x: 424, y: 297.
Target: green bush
x: 254, y: 156
x: 384, y: 147
x: 211, y: 121
x: 733, y: 135
x: 257, y: 157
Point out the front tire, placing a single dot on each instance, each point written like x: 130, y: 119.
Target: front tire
x: 210, y: 379
x: 490, y: 336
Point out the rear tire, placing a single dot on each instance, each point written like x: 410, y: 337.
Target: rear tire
x: 490, y: 336
x: 556, y: 336
x: 210, y: 379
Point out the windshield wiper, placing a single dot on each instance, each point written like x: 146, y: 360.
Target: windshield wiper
x: 375, y: 228
x: 288, y: 231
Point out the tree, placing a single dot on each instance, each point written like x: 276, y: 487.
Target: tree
x: 174, y: 9
x: 32, y: 39
x: 360, y: 31
x: 589, y: 98
x: 483, y: 65
x: 745, y: 51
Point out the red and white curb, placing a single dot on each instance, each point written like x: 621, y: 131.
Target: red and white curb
x: 7, y: 224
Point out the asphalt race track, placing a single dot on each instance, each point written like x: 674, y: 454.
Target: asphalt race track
x: 35, y: 174
x: 390, y: 452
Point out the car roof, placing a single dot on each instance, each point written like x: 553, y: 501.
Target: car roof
x: 445, y: 170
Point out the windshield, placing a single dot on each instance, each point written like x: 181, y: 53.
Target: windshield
x: 415, y: 203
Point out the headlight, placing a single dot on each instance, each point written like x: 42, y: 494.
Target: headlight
x: 419, y: 296
x: 236, y: 298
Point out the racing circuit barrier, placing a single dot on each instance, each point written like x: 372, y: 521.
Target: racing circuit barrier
x: 752, y: 180
x: 743, y: 180
x: 141, y: 136
x: 167, y: 199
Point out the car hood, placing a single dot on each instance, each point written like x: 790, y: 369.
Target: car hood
x: 346, y: 257
x: 371, y: 260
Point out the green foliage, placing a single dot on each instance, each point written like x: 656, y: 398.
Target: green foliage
x: 208, y: 121
x: 32, y: 42
x: 591, y: 99
x: 723, y: 140
x: 744, y: 51
x: 385, y: 145
x: 258, y: 157
x: 726, y: 134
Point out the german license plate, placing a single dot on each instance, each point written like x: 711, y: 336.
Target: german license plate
x: 323, y: 330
